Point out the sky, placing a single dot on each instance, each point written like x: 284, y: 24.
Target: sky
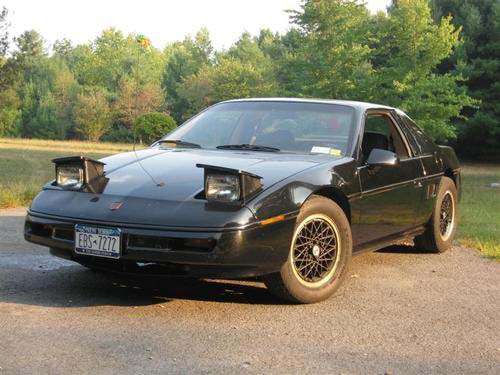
x: 163, y: 21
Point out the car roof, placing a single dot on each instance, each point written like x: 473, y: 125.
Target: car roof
x: 352, y: 103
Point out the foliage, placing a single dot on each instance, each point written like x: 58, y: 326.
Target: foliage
x: 229, y: 79
x: 9, y: 112
x: 152, y: 126
x: 4, y: 33
x: 92, y: 114
x: 184, y: 59
x: 479, y: 58
x: 409, y: 57
x: 134, y: 100
x: 245, y: 70
x: 389, y: 59
x: 332, y: 60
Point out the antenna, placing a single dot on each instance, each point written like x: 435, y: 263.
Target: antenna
x: 144, y: 43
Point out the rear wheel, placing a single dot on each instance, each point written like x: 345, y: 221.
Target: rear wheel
x: 320, y: 250
x: 439, y: 234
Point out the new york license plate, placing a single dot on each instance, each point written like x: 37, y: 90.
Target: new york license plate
x: 97, y: 241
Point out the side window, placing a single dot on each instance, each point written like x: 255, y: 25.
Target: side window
x: 380, y: 132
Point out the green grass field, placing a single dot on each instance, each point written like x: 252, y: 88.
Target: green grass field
x: 479, y: 224
x: 25, y: 166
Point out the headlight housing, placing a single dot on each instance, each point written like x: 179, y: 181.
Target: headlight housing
x: 229, y: 186
x: 80, y: 173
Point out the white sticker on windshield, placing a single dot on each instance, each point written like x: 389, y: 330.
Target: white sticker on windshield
x: 320, y: 150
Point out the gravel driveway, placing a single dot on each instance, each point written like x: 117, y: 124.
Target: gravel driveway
x: 398, y: 312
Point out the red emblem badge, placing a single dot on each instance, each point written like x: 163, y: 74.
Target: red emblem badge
x: 115, y: 206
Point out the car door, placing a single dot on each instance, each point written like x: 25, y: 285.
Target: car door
x: 432, y: 170
x: 390, y: 195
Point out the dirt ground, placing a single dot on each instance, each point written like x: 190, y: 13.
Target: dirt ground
x: 398, y: 312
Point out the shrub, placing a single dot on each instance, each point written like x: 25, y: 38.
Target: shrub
x: 153, y: 125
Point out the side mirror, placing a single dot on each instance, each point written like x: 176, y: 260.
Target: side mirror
x: 379, y: 157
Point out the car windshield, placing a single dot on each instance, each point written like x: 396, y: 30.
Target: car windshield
x: 300, y: 127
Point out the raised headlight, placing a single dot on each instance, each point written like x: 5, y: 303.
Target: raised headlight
x: 222, y: 188
x: 80, y: 173
x: 69, y: 177
x: 227, y: 185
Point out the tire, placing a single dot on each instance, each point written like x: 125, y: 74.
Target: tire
x: 316, y: 265
x: 440, y: 231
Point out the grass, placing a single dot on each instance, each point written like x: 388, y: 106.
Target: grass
x: 479, y: 224
x: 66, y: 146
x: 25, y: 166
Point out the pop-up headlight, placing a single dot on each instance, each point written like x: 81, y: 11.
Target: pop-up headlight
x: 222, y: 188
x: 80, y: 173
x: 226, y: 185
x: 69, y: 177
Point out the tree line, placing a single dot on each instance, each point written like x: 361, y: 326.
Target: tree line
x: 436, y: 59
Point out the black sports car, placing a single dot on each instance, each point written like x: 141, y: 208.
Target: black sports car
x: 283, y: 189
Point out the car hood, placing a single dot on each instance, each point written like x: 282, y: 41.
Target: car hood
x: 159, y: 187
x: 172, y: 174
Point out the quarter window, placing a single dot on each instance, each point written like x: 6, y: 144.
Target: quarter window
x: 421, y: 142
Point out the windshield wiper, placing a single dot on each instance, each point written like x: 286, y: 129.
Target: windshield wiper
x: 179, y: 142
x: 246, y: 146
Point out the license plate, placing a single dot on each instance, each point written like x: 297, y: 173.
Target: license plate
x: 97, y: 241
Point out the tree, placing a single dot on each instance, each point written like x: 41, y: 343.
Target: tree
x: 92, y: 114
x: 228, y: 79
x: 62, y: 48
x: 243, y: 71
x: 184, y: 59
x: 411, y: 46
x: 38, y: 84
x: 38, y: 113
x: 30, y: 49
x: 196, y: 92
x: 9, y: 101
x: 9, y: 112
x: 344, y: 52
x: 479, y: 59
x: 334, y: 49
x: 154, y: 125
x: 133, y: 101
x: 4, y: 33
x: 332, y: 59
x: 65, y: 89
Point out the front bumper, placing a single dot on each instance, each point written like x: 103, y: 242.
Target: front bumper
x: 231, y: 253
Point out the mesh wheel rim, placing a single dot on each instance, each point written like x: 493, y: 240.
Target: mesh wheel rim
x: 315, y: 250
x: 446, y: 216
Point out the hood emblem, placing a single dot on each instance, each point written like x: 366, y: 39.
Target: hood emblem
x: 115, y: 206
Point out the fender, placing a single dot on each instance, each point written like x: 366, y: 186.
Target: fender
x: 288, y: 196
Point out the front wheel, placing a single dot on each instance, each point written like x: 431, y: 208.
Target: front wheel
x: 320, y: 251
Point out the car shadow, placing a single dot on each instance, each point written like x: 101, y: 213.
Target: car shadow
x: 402, y: 249
x: 30, y: 275
x: 76, y: 286
x: 249, y: 291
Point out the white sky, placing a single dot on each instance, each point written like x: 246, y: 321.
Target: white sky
x: 163, y: 21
